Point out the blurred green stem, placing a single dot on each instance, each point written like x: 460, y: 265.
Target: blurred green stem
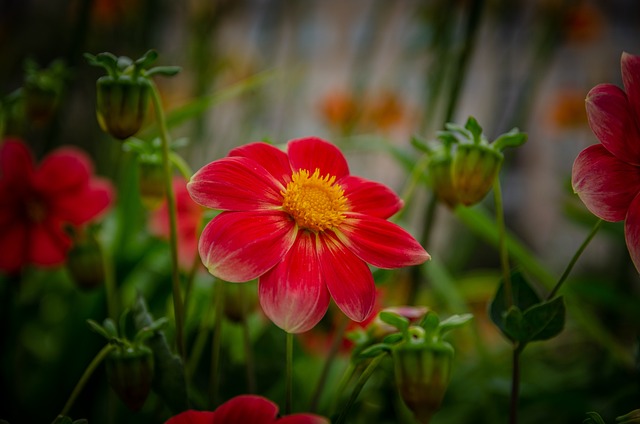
x: 216, y: 341
x: 358, y: 387
x: 504, y: 253
x: 288, y: 375
x: 85, y: 377
x: 110, y: 284
x: 178, y: 307
x: 515, y: 384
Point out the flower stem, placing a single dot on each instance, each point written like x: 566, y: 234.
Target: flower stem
x: 250, y: 369
x: 504, y: 253
x: 359, y: 385
x: 216, y: 342
x: 85, y: 377
x: 288, y: 374
x: 575, y: 258
x: 173, y: 220
x: 515, y: 385
x: 109, y: 284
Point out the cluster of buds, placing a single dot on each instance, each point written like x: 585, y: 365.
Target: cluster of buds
x: 463, y: 166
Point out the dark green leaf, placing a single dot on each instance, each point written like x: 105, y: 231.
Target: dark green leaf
x: 375, y: 350
x: 165, y: 71
x: 98, y: 329
x: 513, y: 325
x: 544, y: 320
x: 593, y: 418
x: 523, y: 297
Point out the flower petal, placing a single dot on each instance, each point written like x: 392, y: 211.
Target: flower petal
x: 605, y: 184
x: 303, y: 419
x: 274, y: 160
x: 293, y: 294
x: 241, y: 246
x: 380, y: 243
x: 630, y: 66
x: 84, y: 204
x: 16, y: 162
x: 611, y: 119
x: 192, y: 417
x: 66, y: 169
x: 632, y: 231
x: 369, y: 197
x: 348, y: 278
x: 246, y: 409
x: 48, y: 244
x: 312, y: 152
x: 13, y: 246
x: 236, y: 184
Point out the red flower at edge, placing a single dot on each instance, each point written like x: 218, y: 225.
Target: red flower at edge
x: 36, y: 203
x: 606, y: 176
x: 302, y: 224
x: 246, y: 409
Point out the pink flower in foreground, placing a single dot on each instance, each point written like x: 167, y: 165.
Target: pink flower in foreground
x: 302, y: 224
x: 188, y: 216
x: 245, y: 409
x: 37, y: 202
x: 606, y: 176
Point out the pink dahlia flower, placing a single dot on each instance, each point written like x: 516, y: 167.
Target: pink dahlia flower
x: 304, y: 226
x: 37, y: 202
x: 606, y: 176
x: 248, y: 409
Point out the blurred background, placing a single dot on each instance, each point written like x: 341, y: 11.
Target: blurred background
x: 367, y: 75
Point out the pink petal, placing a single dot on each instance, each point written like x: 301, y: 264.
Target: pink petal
x: 312, y: 152
x: 241, y: 246
x: 612, y: 120
x: 66, y: 169
x: 348, y: 278
x: 236, y: 184
x: 632, y: 231
x: 293, y: 294
x: 369, y: 197
x: 380, y: 243
x: 48, y: 244
x: 16, y: 162
x: 605, y: 184
x: 303, y: 419
x: 13, y: 246
x: 192, y: 417
x: 84, y: 204
x: 246, y: 409
x: 274, y: 160
x: 630, y: 65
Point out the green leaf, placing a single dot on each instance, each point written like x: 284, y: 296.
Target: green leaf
x: 453, y: 322
x: 544, y: 320
x: 169, y: 380
x: 513, y: 325
x: 523, y: 297
x: 474, y: 128
x: 395, y: 320
x: 513, y: 138
x: 593, y: 418
x: 97, y: 328
x: 146, y: 59
x: 165, y: 71
x: 375, y: 350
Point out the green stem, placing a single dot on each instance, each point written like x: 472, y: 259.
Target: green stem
x: 575, y: 258
x: 515, y: 385
x: 173, y: 220
x: 288, y: 375
x: 358, y: 387
x: 248, y: 351
x: 416, y: 274
x: 216, y: 342
x: 344, y: 381
x: 85, y: 377
x: 504, y: 253
x: 110, y: 284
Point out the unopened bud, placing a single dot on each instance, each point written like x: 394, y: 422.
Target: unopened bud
x: 122, y: 104
x: 130, y: 373
x: 474, y: 169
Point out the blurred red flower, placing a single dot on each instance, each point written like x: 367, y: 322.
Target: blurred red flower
x: 302, y: 224
x: 606, y: 176
x: 37, y: 202
x: 248, y: 409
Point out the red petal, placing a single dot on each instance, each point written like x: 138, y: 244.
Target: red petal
x: 612, y: 120
x: 632, y: 231
x: 303, y: 419
x: 241, y: 246
x: 246, y: 409
x: 630, y: 65
x: 13, y: 247
x: 84, y: 204
x: 293, y: 294
x: 48, y: 244
x: 192, y: 417
x: 274, y: 160
x: 348, y: 278
x: 16, y: 162
x: 605, y: 184
x: 237, y: 184
x: 369, y: 197
x: 380, y: 243
x: 66, y: 169
x: 312, y: 152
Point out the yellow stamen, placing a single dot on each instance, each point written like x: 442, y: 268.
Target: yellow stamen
x: 315, y: 202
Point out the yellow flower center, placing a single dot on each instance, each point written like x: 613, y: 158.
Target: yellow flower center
x: 315, y: 202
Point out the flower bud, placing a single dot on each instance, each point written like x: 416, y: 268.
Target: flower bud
x: 151, y: 183
x: 130, y: 373
x: 42, y: 91
x: 85, y: 262
x: 473, y: 171
x: 440, y: 180
x: 122, y: 104
x: 423, y: 372
x: 379, y: 329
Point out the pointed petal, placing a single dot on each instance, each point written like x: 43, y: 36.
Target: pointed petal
x: 312, y: 152
x: 605, y: 184
x: 274, y: 160
x: 236, y: 184
x: 348, y: 278
x: 48, y: 244
x: 241, y: 246
x: 246, y: 409
x: 611, y: 119
x: 630, y: 66
x: 303, y: 419
x: 632, y: 231
x: 16, y: 162
x: 84, y: 204
x: 66, y: 169
x: 192, y: 417
x: 369, y: 197
x: 380, y: 243
x: 293, y: 294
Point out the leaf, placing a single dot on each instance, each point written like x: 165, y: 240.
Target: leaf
x: 545, y: 320
x: 513, y: 138
x: 395, y: 320
x: 169, y: 380
x: 593, y: 418
x: 523, y: 297
x: 453, y: 322
x: 165, y: 71
x: 375, y: 350
x: 97, y: 328
x: 513, y: 325
x: 474, y: 128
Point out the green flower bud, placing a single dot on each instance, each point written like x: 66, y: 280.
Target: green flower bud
x: 440, y: 181
x: 85, y: 262
x: 473, y: 171
x: 122, y: 104
x: 42, y: 90
x: 130, y: 373
x: 151, y: 183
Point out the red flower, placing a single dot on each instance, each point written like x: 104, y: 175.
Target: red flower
x: 188, y: 216
x: 606, y: 176
x: 304, y: 226
x: 36, y: 203
x: 247, y: 409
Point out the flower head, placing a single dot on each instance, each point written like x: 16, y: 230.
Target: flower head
x: 303, y: 225
x: 36, y: 203
x: 606, y: 176
x: 245, y: 409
